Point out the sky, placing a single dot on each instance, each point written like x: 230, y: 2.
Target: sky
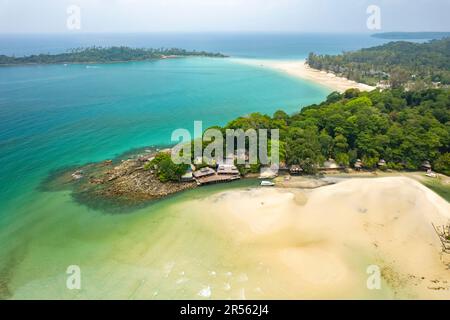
x: 51, y: 16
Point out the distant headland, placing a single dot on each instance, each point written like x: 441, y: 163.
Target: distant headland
x: 411, y: 35
x: 105, y: 55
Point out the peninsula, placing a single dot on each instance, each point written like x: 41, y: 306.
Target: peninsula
x: 355, y: 131
x: 427, y: 35
x: 105, y: 55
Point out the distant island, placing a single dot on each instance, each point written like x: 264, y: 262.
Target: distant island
x: 411, y: 35
x: 105, y: 55
x: 392, y: 65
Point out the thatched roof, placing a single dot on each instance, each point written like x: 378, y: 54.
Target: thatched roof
x: 227, y: 169
x: 426, y: 164
x: 204, y: 172
x: 295, y: 168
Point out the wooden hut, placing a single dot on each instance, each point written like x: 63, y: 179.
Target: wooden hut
x: 227, y: 169
x: 204, y: 172
x: 295, y: 169
x: 358, y: 165
x: 382, y: 164
x: 426, y: 165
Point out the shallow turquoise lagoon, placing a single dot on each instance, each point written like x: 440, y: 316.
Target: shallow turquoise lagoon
x: 57, y: 116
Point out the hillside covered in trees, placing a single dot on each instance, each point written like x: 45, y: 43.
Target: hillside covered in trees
x: 103, y: 55
x: 397, y: 64
x: 403, y: 128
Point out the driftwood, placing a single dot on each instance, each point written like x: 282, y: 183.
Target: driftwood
x: 443, y: 233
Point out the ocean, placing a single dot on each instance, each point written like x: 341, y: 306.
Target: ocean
x: 56, y: 116
x: 242, y: 45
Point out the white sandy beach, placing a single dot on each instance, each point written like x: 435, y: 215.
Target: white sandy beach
x: 319, y: 243
x: 256, y: 243
x: 300, y: 69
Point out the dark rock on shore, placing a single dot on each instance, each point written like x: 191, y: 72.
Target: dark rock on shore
x: 114, y: 186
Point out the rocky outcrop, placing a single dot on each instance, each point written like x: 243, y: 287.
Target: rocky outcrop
x: 115, y: 184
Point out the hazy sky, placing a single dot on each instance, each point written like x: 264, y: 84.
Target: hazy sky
x: 223, y: 15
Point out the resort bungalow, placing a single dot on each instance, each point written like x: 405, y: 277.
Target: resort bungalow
x: 330, y: 165
x: 358, y: 165
x: 426, y: 165
x: 208, y: 175
x: 382, y: 164
x: 203, y: 172
x: 227, y: 169
x: 295, y: 169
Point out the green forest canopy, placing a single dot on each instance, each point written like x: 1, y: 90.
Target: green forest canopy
x: 402, y: 127
x: 396, y: 62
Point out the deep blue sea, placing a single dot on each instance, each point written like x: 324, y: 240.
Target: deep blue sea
x: 55, y: 116
x: 243, y: 45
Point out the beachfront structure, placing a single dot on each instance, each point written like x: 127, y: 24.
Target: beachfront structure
x: 204, y: 172
x: 382, y: 163
x: 217, y: 178
x: 224, y: 173
x: 358, y: 165
x: 227, y: 169
x: 426, y: 165
x: 295, y: 169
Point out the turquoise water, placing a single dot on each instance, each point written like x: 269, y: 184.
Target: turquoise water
x: 57, y: 116
x: 53, y: 116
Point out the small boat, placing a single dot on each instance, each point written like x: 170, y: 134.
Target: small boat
x: 267, y: 184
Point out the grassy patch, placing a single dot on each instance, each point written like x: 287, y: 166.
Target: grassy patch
x: 438, y: 187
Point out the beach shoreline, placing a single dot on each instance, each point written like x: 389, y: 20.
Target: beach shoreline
x: 300, y: 69
x: 324, y: 239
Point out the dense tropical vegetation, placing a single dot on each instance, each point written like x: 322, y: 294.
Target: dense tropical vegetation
x: 165, y: 169
x: 103, y: 55
x: 397, y: 64
x: 405, y: 128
